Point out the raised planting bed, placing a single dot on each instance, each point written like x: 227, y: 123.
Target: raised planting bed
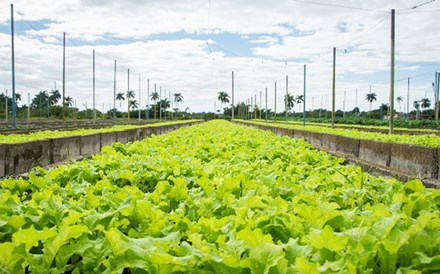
x: 18, y: 158
x: 405, y: 161
x: 216, y: 198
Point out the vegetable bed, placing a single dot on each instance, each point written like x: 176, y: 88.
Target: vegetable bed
x: 216, y: 198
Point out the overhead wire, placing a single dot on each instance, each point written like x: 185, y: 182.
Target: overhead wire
x: 337, y: 6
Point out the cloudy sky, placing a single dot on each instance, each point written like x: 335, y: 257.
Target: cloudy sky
x: 192, y: 46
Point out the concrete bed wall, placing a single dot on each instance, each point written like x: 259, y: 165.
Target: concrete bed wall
x: 404, y: 160
x: 19, y: 158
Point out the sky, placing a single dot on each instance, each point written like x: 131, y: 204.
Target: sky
x: 192, y: 46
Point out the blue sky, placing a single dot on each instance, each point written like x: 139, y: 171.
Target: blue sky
x: 192, y: 46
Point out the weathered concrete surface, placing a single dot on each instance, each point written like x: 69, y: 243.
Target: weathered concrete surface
x: 417, y: 160
x: 347, y: 145
x: 65, y: 149
x: 375, y: 152
x: 107, y: 138
x: 22, y: 157
x: 90, y: 144
x: 2, y: 159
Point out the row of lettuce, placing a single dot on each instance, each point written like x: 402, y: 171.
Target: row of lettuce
x: 50, y: 134
x: 429, y: 140
x: 216, y: 198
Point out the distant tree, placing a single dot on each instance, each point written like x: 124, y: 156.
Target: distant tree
x: 399, y: 100
x: 425, y: 103
x: 154, y: 97
x: 290, y: 101
x: 178, y: 97
x: 223, y: 97
x: 130, y: 95
x: 417, y: 107
x: 120, y: 97
x: 54, y: 97
x: 133, y: 104
x: 370, y: 98
x: 68, y: 101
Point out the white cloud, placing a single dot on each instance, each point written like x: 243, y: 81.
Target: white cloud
x: 308, y: 34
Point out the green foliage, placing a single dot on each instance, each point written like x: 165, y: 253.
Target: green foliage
x: 50, y: 134
x: 430, y: 140
x: 216, y: 198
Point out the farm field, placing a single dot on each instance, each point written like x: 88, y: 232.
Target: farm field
x: 216, y: 198
x: 430, y: 140
x: 50, y: 134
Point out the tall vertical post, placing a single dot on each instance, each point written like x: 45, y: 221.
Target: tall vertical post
x: 6, y: 106
x: 436, y: 95
x: 64, y: 77
x: 287, y: 94
x: 407, y: 99
x: 334, y: 88
x: 438, y: 92
x: 252, y: 106
x: 29, y: 107
x: 139, y: 107
x: 148, y: 100
x: 232, y: 95
x: 266, y: 106
x: 393, y: 41
x: 356, y: 101
x: 14, y: 114
x: 304, y: 107
x: 128, y: 94
x: 94, y: 85
x: 154, y: 114
x: 255, y: 107
x: 275, y: 104
x: 345, y: 99
x: 160, y: 103
x: 114, y: 94
x: 261, y: 94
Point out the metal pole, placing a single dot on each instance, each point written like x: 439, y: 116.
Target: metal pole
x: 14, y: 114
x: 436, y: 95
x: 128, y: 97
x: 94, y: 86
x: 232, y: 95
x: 356, y: 101
x: 6, y: 108
x: 393, y: 41
x: 29, y: 107
x: 139, y: 107
x: 255, y: 107
x: 252, y: 105
x: 407, y: 100
x: 114, y: 94
x: 275, y: 107
x: 334, y: 88
x: 345, y: 98
x: 160, y: 103
x: 287, y: 94
x: 266, y: 105
x: 148, y: 99
x: 64, y: 76
x: 261, y: 94
x: 304, y: 106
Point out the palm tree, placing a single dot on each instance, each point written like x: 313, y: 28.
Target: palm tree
x: 68, y: 101
x: 17, y: 97
x: 178, y: 97
x: 120, y: 97
x: 133, y: 104
x: 425, y: 103
x: 154, y: 97
x: 54, y: 97
x: 371, y: 97
x: 399, y: 100
x: 290, y: 101
x: 299, y: 99
x: 417, y: 107
x: 223, y: 97
x: 130, y: 95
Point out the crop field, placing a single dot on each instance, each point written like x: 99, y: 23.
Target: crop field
x: 48, y: 134
x: 430, y: 140
x: 216, y: 198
